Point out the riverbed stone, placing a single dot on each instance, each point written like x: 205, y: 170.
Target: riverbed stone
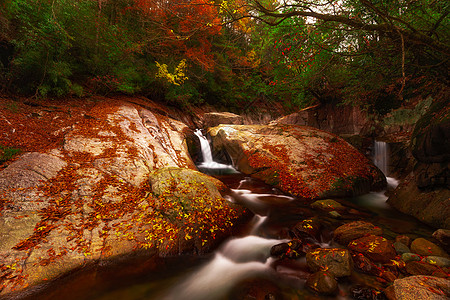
x: 322, y: 282
x: 437, y: 260
x: 401, y: 248
x: 420, y: 287
x: 335, y: 260
x: 443, y: 236
x: 279, y: 249
x: 364, y: 264
x: 354, y: 230
x: 410, y: 257
x: 420, y: 268
x: 424, y: 247
x: 309, y: 227
x: 328, y: 205
x: 376, y: 248
x: 302, y: 161
x: 404, y: 239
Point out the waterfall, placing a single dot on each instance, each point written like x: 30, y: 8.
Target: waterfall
x: 209, y: 165
x: 381, y: 160
x: 380, y: 157
x: 206, y: 149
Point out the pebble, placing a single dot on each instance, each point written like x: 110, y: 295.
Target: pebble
x: 437, y: 260
x: 401, y: 248
x: 410, y: 257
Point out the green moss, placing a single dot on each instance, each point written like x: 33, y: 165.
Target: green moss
x: 7, y: 153
x: 408, y: 116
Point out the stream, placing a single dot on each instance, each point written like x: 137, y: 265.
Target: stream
x: 241, y: 268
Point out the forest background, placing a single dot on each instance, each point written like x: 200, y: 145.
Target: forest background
x: 237, y: 54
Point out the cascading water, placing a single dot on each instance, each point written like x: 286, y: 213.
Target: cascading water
x: 380, y: 157
x: 381, y: 160
x: 209, y: 165
x: 238, y: 258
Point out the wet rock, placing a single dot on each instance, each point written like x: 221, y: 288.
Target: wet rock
x: 424, y: 247
x: 388, y: 276
x: 420, y: 268
x: 401, y: 248
x: 366, y: 293
x: 354, y: 230
x: 420, y: 287
x: 292, y: 249
x: 431, y: 206
x: 335, y: 214
x: 376, y: 248
x: 406, y: 240
x: 213, y: 119
x: 322, y: 282
x: 410, y: 257
x: 279, y: 250
x: 365, y: 265
x: 309, y: 227
x: 336, y: 261
x: 443, y: 236
x: 328, y: 205
x: 437, y: 260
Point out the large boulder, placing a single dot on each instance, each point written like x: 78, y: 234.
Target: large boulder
x: 302, y: 161
x: 425, y: 193
x: 431, y: 206
x: 90, y: 202
x: 213, y: 119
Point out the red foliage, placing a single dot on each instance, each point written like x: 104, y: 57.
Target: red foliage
x: 184, y: 27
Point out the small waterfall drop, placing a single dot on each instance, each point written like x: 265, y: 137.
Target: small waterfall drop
x: 209, y: 165
x: 381, y: 156
x: 381, y: 160
x: 206, y: 149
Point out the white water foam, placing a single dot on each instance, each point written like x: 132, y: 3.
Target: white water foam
x: 238, y: 259
x: 392, y: 182
x: 208, y: 162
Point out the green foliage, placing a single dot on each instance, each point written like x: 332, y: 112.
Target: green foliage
x: 7, y: 153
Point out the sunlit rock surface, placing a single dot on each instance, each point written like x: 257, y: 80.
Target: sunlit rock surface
x: 302, y: 161
x: 90, y: 201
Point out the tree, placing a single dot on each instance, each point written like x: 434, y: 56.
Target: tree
x: 370, y: 44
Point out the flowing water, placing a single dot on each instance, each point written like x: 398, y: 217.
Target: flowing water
x: 242, y: 265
